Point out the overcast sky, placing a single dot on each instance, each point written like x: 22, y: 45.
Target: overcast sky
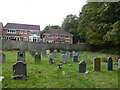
x: 38, y: 12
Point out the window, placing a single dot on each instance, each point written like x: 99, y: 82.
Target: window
x: 56, y: 36
x: 67, y: 37
x: 21, y: 32
x: 11, y: 31
x: 61, y: 36
x: 34, y: 32
x: 25, y: 39
x: 25, y: 32
x: 50, y: 36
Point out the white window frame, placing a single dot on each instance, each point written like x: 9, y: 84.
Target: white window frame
x: 25, y: 32
x: 11, y: 31
x: 66, y: 37
x: 36, y: 33
x: 21, y: 31
x: 56, y: 36
x: 25, y: 38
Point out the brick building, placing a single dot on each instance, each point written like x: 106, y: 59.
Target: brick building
x: 21, y: 32
x: 57, y: 36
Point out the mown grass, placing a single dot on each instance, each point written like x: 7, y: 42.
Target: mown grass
x: 45, y: 75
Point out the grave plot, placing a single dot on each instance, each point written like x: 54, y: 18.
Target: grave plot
x: 60, y: 75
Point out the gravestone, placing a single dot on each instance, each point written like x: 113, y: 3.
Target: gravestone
x: 110, y: 63
x: 37, y: 57
x: 51, y: 59
x: 78, y: 54
x: 97, y: 64
x: 20, y: 68
x: 82, y: 67
x: 2, y: 57
x: 33, y: 52
x: 55, y: 53
x: 118, y: 63
x: 21, y: 56
x: 71, y: 55
x: 44, y: 53
x: 48, y: 51
x: 63, y: 58
x: 93, y: 57
x: 39, y: 52
x: 75, y: 58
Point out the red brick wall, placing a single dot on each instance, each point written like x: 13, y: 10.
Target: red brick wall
x: 63, y: 38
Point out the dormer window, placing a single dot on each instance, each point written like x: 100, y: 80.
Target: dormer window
x: 11, y: 31
x: 25, y: 32
x: 67, y: 37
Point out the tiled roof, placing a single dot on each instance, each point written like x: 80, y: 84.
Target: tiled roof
x: 21, y: 26
x: 57, y: 32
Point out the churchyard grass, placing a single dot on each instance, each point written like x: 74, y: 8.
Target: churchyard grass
x: 44, y: 75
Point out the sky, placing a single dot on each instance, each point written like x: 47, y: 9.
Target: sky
x: 38, y: 12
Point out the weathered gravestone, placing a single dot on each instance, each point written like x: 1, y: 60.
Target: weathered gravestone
x: 20, y: 68
x: 63, y: 58
x: 39, y: 52
x: 48, y: 51
x: 33, y: 52
x: 118, y: 63
x: 97, y: 64
x: 44, y: 53
x: 2, y: 57
x: 51, y: 59
x: 78, y: 54
x: 21, y: 56
x: 54, y: 53
x: 71, y: 55
x: 110, y: 63
x: 37, y: 57
x: 82, y: 67
x: 75, y: 58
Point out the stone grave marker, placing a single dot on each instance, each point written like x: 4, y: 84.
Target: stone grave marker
x: 20, y: 68
x: 51, y: 59
x: 63, y: 58
x: 2, y: 57
x: 48, y: 51
x: 110, y: 63
x: 33, y: 52
x: 78, y: 54
x: 82, y: 67
x: 118, y: 63
x: 39, y: 52
x: 21, y: 56
x: 54, y: 53
x: 44, y: 53
x: 37, y: 57
x: 71, y: 55
x: 93, y: 57
x: 97, y: 64
x: 75, y: 58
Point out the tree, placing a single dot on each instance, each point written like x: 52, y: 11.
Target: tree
x: 70, y: 24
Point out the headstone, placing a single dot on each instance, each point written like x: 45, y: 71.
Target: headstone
x: 118, y: 63
x: 82, y: 67
x: 97, y: 64
x: 110, y: 63
x: 20, y: 68
x: 21, y: 56
x: 71, y: 55
x: 39, y: 52
x: 63, y: 58
x: 44, y: 53
x: 33, y: 52
x: 51, y: 59
x: 2, y: 57
x: 75, y: 58
x: 54, y: 53
x: 93, y: 57
x: 37, y: 57
x: 78, y: 54
x: 48, y: 51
